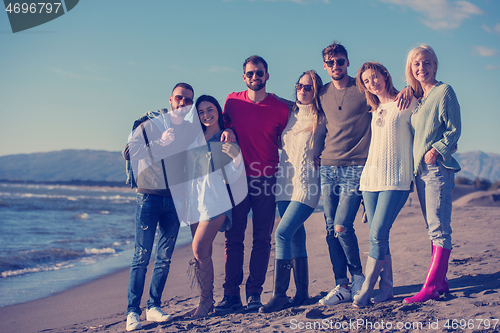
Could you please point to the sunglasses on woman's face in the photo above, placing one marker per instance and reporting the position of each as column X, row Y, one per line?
column 249, row 74
column 340, row 62
column 306, row 87
column 187, row 100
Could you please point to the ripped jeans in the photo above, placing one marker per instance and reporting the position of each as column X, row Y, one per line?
column 341, row 199
column 152, row 211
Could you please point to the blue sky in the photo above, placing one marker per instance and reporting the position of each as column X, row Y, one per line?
column 80, row 80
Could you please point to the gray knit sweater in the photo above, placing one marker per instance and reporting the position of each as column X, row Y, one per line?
column 436, row 123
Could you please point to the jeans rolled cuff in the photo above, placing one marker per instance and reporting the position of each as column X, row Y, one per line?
column 344, row 281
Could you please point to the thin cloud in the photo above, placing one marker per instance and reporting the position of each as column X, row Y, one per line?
column 486, row 51
column 218, row 69
column 440, row 14
column 493, row 67
column 494, row 29
column 77, row 76
column 177, row 67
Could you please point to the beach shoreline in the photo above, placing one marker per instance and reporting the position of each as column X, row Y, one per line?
column 474, row 277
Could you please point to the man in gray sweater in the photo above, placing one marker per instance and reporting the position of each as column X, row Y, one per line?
column 346, row 149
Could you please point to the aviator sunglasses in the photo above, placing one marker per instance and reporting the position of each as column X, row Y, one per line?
column 187, row 100
column 249, row 74
column 340, row 62
column 306, row 87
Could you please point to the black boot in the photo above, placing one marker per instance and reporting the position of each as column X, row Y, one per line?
column 301, row 277
column 279, row 301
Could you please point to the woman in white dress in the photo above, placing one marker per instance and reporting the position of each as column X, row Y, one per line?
column 212, row 167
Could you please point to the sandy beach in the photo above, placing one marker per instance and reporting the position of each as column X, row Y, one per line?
column 473, row 302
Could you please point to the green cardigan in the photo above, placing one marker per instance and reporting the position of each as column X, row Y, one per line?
column 436, row 123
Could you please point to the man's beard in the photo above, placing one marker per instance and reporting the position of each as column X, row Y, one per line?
column 338, row 77
column 256, row 87
column 183, row 110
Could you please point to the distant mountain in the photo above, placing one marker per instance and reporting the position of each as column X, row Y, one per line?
column 64, row 165
column 109, row 166
column 479, row 164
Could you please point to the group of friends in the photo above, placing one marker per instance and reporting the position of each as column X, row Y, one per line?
column 352, row 140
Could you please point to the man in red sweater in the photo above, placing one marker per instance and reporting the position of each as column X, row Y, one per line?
column 258, row 118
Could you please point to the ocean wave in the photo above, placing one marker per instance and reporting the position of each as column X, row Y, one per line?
column 82, row 216
column 49, row 259
column 36, row 258
column 113, row 198
column 107, row 250
column 13, row 273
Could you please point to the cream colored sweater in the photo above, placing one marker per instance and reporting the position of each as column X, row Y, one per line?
column 298, row 177
column 390, row 158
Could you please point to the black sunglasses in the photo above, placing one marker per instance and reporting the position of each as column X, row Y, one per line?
column 306, row 87
column 187, row 100
column 249, row 74
column 340, row 62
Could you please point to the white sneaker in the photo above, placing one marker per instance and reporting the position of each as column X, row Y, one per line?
column 357, row 284
column 155, row 314
column 133, row 322
column 336, row 296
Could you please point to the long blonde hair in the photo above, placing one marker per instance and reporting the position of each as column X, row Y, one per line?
column 317, row 111
column 410, row 79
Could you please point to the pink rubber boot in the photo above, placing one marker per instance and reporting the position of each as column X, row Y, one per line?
column 444, row 286
column 435, row 277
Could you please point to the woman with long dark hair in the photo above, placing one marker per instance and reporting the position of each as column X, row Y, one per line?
column 213, row 166
column 297, row 190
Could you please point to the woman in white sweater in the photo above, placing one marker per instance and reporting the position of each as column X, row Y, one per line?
column 297, row 190
column 387, row 176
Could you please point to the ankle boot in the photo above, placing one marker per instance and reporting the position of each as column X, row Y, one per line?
column 204, row 277
column 301, row 277
column 385, row 284
column 372, row 272
column 444, row 286
column 279, row 301
column 435, row 277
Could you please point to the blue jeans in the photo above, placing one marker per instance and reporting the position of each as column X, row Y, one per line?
column 434, row 188
column 290, row 235
column 382, row 208
column 341, row 199
column 152, row 210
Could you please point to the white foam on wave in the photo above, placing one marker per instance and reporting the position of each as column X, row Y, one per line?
column 83, row 216
column 23, row 271
column 106, row 250
column 114, row 198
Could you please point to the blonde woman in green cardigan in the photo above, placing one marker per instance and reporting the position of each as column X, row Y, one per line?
column 436, row 125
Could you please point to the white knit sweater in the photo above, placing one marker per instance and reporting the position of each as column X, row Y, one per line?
column 390, row 159
column 297, row 177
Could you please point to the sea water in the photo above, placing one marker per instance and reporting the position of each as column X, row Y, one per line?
column 54, row 237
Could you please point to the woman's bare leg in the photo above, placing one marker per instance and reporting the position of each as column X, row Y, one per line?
column 204, row 235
